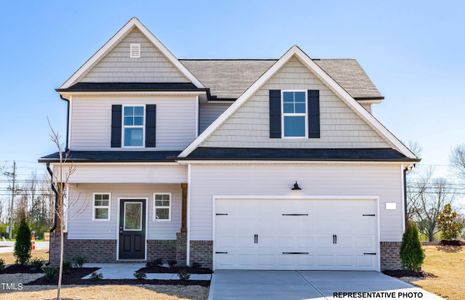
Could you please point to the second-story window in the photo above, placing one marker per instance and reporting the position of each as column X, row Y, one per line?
column 294, row 114
column 133, row 123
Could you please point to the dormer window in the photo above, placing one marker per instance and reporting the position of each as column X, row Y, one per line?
column 134, row 50
column 294, row 108
column 133, row 126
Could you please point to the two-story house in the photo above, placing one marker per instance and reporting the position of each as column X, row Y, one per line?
column 231, row 163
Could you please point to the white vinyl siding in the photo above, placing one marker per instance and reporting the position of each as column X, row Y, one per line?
column 349, row 179
column 127, row 173
column 118, row 66
column 209, row 112
column 91, row 121
column 81, row 226
column 340, row 126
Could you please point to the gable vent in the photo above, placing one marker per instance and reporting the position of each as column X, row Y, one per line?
column 134, row 50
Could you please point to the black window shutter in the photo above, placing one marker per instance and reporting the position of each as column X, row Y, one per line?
column 313, row 114
column 275, row 114
column 150, row 125
column 116, row 113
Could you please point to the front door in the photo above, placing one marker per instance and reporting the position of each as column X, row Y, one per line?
column 132, row 229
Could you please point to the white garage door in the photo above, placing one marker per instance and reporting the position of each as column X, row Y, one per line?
column 284, row 234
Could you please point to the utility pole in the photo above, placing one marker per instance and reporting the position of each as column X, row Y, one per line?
column 12, row 187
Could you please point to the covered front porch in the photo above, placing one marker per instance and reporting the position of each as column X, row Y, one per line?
column 125, row 213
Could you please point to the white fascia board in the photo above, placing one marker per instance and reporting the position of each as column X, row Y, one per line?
column 325, row 78
column 132, row 23
column 151, row 93
column 280, row 162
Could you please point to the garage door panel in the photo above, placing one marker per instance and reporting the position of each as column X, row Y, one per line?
column 296, row 234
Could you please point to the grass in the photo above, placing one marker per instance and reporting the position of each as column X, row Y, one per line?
column 10, row 258
column 114, row 292
column 448, row 265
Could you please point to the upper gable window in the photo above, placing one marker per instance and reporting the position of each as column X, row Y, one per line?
column 133, row 124
column 294, row 107
column 134, row 50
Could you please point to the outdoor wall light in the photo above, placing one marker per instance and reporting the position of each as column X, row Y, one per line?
column 296, row 187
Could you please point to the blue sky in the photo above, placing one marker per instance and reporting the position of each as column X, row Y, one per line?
column 412, row 50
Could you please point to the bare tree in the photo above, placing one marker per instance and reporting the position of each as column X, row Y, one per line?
column 457, row 159
column 433, row 195
column 418, row 181
column 63, row 170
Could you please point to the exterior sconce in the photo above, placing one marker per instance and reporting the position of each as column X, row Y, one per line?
column 296, row 187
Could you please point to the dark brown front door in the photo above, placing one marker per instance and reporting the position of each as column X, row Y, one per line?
column 132, row 229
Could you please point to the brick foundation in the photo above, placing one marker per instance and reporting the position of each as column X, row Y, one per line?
column 181, row 247
column 202, row 252
column 165, row 249
column 390, row 256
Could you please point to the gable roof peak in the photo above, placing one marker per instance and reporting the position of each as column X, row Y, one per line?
column 115, row 39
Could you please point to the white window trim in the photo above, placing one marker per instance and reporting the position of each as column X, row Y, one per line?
column 141, row 217
column 155, row 208
column 294, row 115
column 134, row 45
column 94, row 207
column 133, row 126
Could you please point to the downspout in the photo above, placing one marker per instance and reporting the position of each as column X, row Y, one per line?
column 405, row 196
column 49, row 170
column 67, row 122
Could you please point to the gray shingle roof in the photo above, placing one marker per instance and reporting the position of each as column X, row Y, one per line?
column 229, row 78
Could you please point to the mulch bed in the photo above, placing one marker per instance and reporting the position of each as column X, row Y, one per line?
column 190, row 270
column 75, row 275
column 404, row 273
column 451, row 243
column 12, row 269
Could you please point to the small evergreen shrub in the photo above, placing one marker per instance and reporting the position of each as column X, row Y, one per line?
column 67, row 266
column 95, row 276
column 140, row 275
column 154, row 263
column 196, row 265
column 78, row 261
column 23, row 243
column 449, row 224
column 183, row 275
column 50, row 272
column 2, row 264
column 172, row 263
column 411, row 253
column 36, row 264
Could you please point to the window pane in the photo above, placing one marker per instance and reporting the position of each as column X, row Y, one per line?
column 300, row 108
column 138, row 121
column 133, row 136
column 288, row 107
column 105, row 196
column 288, row 97
column 132, row 216
column 299, row 97
column 138, row 111
column 98, row 197
column 101, row 213
column 294, row 126
column 162, row 213
column 128, row 111
column 128, row 121
column 162, row 203
column 101, row 202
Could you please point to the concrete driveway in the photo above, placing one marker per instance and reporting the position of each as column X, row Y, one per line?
column 235, row 284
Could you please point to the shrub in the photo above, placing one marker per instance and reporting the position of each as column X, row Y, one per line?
column 23, row 243
column 448, row 223
column 172, row 263
column 50, row 272
column 96, row 276
column 196, row 265
column 67, row 266
column 78, row 261
column 37, row 263
column 140, row 275
column 183, row 275
column 155, row 263
column 411, row 253
column 2, row 264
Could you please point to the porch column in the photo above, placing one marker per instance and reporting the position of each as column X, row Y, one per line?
column 184, row 208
